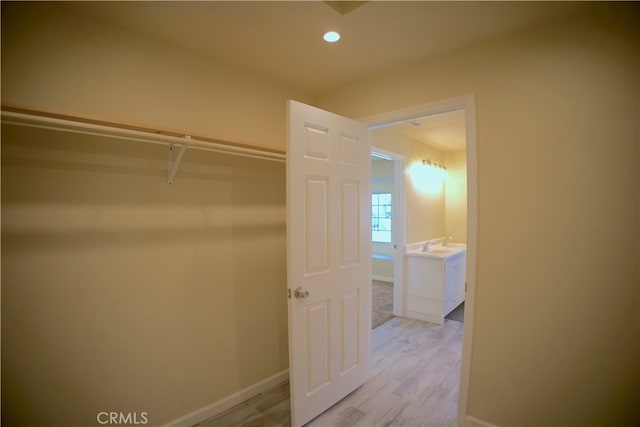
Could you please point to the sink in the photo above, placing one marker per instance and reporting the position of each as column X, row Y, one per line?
column 439, row 251
column 442, row 250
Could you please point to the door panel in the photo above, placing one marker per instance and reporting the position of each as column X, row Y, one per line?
column 328, row 258
column 316, row 194
column 318, row 346
column 349, row 223
column 350, row 312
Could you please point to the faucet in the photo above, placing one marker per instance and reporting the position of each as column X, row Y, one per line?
column 442, row 240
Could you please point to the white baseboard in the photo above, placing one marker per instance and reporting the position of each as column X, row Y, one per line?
column 476, row 422
column 382, row 278
column 230, row 401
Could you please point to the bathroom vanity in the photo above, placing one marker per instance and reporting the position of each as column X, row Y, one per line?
column 435, row 280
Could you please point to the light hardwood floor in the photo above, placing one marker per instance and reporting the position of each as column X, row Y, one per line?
column 415, row 371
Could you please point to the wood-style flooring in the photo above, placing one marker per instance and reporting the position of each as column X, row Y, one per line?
column 415, row 371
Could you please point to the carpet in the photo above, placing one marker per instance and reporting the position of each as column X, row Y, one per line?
column 457, row 314
column 382, row 307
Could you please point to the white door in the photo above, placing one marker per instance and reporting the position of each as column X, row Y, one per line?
column 328, row 258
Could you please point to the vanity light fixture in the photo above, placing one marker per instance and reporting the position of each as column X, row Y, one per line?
column 441, row 168
column 331, row 36
column 428, row 176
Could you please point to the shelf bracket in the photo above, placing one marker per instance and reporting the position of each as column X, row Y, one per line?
column 175, row 164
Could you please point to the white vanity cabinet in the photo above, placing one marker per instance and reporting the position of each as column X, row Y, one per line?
column 435, row 282
column 454, row 282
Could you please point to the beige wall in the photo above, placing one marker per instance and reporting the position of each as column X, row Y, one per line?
column 556, row 309
column 98, row 320
column 122, row 293
column 65, row 63
column 425, row 210
column 431, row 212
column 456, row 196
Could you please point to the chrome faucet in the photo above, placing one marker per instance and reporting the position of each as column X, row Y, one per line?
column 444, row 241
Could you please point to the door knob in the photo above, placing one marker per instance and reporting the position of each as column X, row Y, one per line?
column 301, row 293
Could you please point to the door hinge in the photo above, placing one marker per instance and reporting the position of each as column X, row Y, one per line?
column 465, row 287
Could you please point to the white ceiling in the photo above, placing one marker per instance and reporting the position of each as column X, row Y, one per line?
column 446, row 131
column 283, row 40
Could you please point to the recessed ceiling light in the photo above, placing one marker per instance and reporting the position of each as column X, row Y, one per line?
column 331, row 37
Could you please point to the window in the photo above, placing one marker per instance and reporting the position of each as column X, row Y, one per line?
column 381, row 217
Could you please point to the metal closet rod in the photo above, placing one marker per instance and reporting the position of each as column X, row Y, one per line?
column 112, row 130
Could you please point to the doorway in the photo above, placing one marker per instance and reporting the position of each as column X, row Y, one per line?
column 353, row 188
column 465, row 104
column 435, row 196
column 388, row 183
column 387, row 234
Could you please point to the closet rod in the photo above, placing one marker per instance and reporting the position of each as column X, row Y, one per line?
column 150, row 136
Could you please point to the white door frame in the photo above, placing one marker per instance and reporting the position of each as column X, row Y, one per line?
column 398, row 226
column 466, row 103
